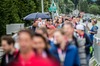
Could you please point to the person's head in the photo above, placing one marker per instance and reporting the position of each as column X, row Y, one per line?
column 60, row 21
column 51, row 22
column 51, row 29
column 74, row 20
column 59, row 36
column 60, row 17
column 40, row 43
column 56, row 23
column 68, row 28
column 80, row 29
column 7, row 43
column 25, row 40
column 39, row 19
column 42, row 31
column 94, row 22
column 48, row 21
column 56, row 18
column 78, row 19
column 66, row 21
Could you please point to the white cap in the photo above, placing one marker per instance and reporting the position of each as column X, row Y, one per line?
column 80, row 27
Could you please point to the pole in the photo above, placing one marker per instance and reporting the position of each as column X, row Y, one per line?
column 52, row 15
column 42, row 4
column 52, row 11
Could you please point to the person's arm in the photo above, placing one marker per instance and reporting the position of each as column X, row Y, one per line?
column 35, row 24
column 91, row 32
column 87, row 27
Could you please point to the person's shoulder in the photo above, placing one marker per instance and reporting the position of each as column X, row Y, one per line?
column 96, row 27
column 4, row 55
column 72, row 47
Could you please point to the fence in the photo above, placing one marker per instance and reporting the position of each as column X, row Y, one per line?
column 97, row 50
column 95, row 60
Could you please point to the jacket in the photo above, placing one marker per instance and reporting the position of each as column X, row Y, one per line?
column 71, row 58
column 87, row 44
column 7, row 58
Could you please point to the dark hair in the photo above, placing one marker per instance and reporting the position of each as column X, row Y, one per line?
column 48, row 20
column 73, row 17
column 45, row 41
column 44, row 30
column 78, row 16
column 28, row 31
column 57, row 21
column 70, row 24
column 66, row 19
column 9, row 39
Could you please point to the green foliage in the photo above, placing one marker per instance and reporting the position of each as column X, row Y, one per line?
column 12, row 11
column 98, row 2
column 70, row 5
column 89, row 1
column 75, row 3
column 46, row 5
column 84, row 6
column 94, row 9
column 65, row 6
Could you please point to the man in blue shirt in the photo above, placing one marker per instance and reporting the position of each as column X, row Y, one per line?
column 93, row 30
column 65, row 51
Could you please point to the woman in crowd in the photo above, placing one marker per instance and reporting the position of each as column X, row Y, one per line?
column 41, row 45
column 42, row 51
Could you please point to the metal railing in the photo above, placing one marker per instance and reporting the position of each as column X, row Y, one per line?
column 97, row 50
column 95, row 60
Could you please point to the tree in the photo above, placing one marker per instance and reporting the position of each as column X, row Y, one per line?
column 70, row 5
column 98, row 2
column 94, row 9
column 83, row 5
column 12, row 11
column 89, row 1
column 38, row 5
column 75, row 3
column 46, row 5
column 65, row 6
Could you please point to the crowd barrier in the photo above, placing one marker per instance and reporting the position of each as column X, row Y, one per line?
column 95, row 60
column 97, row 49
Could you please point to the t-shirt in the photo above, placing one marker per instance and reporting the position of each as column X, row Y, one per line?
column 94, row 29
column 34, row 60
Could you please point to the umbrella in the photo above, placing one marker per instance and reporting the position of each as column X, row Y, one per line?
column 33, row 16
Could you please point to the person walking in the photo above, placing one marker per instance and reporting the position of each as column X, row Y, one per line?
column 66, row 53
column 94, row 29
column 88, row 43
column 7, row 43
column 69, row 33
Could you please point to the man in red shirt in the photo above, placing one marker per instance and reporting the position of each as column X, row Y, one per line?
column 26, row 55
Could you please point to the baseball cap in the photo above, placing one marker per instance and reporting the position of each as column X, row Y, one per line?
column 80, row 27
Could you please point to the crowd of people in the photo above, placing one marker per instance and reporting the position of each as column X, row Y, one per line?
column 59, row 42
